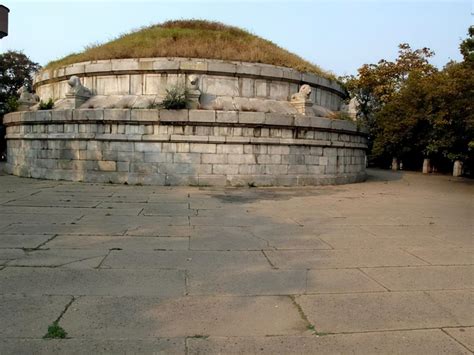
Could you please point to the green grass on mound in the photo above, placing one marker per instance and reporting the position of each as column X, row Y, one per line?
column 193, row 39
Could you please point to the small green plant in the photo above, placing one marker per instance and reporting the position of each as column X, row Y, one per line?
column 12, row 104
column 48, row 105
column 55, row 331
column 175, row 98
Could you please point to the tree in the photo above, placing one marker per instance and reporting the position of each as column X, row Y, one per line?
column 430, row 116
column 378, row 84
column 16, row 69
column 467, row 46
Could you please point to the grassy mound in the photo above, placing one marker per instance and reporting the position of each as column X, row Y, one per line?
column 193, row 39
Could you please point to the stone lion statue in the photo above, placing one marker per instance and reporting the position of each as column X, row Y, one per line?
column 27, row 97
column 193, row 82
column 76, row 87
column 303, row 93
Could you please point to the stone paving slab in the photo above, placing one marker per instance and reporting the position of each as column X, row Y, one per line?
column 87, row 346
column 246, row 282
column 338, row 313
column 340, row 281
column 385, row 265
column 72, row 229
column 29, row 316
column 341, row 258
column 225, row 238
column 187, row 260
column 23, row 241
column 445, row 256
column 424, row 277
column 42, row 281
column 400, row 342
column 465, row 335
column 55, row 258
column 141, row 318
column 100, row 242
column 376, row 242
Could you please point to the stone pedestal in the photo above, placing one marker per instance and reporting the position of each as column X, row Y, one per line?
column 193, row 99
column 75, row 101
column 25, row 106
column 457, row 168
column 426, row 166
column 394, row 164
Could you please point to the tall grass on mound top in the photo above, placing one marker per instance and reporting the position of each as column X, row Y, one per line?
column 193, row 39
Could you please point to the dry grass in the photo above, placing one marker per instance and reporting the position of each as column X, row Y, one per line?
column 193, row 39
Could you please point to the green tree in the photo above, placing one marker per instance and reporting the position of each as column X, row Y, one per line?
column 16, row 69
column 377, row 84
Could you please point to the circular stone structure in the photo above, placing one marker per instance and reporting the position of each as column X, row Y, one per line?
column 246, row 124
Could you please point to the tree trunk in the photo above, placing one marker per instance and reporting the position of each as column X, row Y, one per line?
column 457, row 168
column 395, row 164
column 426, row 166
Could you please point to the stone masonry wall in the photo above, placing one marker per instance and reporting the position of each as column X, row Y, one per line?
column 152, row 76
column 186, row 147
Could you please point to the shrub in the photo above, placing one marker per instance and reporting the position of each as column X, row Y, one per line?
column 48, row 105
column 175, row 98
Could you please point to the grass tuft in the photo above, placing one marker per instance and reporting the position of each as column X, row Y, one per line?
column 55, row 331
column 193, row 39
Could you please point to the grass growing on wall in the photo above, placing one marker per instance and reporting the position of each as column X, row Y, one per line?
column 193, row 39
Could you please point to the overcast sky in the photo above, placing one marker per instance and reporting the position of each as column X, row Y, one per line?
column 338, row 35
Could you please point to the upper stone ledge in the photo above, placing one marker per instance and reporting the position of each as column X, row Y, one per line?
column 184, row 65
column 180, row 117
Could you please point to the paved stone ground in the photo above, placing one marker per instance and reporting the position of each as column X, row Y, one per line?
column 384, row 266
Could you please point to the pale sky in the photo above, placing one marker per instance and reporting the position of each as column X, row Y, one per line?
column 338, row 35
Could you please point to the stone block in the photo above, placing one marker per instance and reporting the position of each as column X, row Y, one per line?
column 227, row 116
column 212, row 180
column 193, row 65
column 344, row 125
column 247, row 87
column 278, row 119
column 230, row 149
column 61, row 115
column 221, row 67
column 248, row 69
column 241, row 159
column 88, row 115
column 174, row 116
column 144, row 115
column 272, row 72
column 311, row 78
column 214, row 158
column 99, row 67
column 165, row 64
column 193, row 158
column 279, row 90
column 202, row 116
column 202, row 148
column 225, row 169
column 251, row 117
column 220, row 86
column 117, row 115
column 261, row 88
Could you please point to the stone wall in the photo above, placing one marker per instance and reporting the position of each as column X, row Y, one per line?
column 185, row 147
column 150, row 77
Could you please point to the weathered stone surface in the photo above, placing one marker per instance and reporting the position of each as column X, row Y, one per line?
column 401, row 310
column 400, row 342
column 29, row 316
column 96, row 346
column 42, row 281
column 141, row 318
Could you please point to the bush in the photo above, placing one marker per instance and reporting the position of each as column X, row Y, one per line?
column 48, row 105
column 175, row 98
